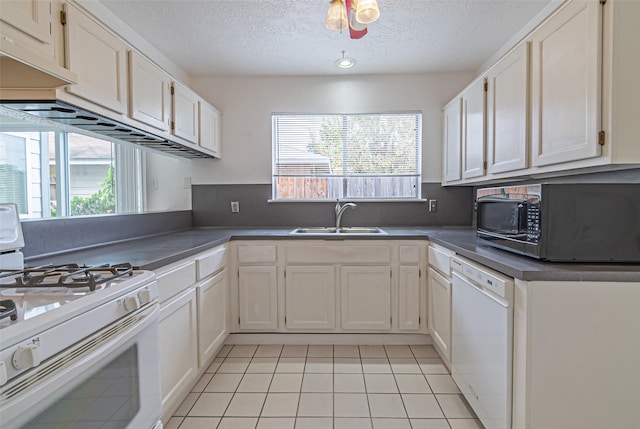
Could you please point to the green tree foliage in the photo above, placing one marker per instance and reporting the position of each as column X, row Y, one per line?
column 367, row 144
column 101, row 202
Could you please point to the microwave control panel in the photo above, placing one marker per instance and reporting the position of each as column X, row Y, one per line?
column 533, row 222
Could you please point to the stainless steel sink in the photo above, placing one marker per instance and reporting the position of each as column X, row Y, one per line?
column 330, row 230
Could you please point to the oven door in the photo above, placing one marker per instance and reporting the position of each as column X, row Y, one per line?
column 109, row 380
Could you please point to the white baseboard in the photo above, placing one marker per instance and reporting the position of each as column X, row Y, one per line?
column 341, row 339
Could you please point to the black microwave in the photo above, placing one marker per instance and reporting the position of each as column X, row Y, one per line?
column 562, row 222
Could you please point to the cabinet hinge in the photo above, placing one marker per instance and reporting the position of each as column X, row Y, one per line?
column 484, row 165
column 603, row 1
column 419, row 273
column 285, row 319
column 419, row 320
column 173, row 125
column 601, row 138
column 172, row 90
column 238, row 320
column 63, row 17
column 486, row 86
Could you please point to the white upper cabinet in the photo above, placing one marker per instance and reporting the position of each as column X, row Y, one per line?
column 100, row 60
column 473, row 126
column 565, row 87
column 149, row 92
column 452, row 141
column 185, row 113
column 30, row 56
column 210, row 136
column 507, row 109
column 31, row 23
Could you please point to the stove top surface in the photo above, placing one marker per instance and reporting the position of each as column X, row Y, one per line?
column 26, row 294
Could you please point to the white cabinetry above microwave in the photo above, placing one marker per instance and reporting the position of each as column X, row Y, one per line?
column 563, row 99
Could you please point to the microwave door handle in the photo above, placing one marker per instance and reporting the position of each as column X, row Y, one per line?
column 496, row 199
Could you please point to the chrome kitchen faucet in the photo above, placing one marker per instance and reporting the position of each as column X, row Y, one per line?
column 340, row 210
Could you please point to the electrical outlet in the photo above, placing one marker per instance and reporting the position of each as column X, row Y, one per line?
column 433, row 206
column 154, row 183
column 235, row 206
column 187, row 183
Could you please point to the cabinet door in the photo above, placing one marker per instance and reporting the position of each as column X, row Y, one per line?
column 185, row 113
column 212, row 316
column 451, row 152
column 28, row 24
column 257, row 287
column 565, row 87
column 507, row 107
column 310, row 295
column 439, row 312
column 473, row 119
column 100, row 60
column 366, row 297
column 149, row 92
column 178, row 346
column 210, row 132
column 409, row 298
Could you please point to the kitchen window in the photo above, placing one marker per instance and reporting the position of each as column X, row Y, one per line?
column 347, row 156
column 54, row 173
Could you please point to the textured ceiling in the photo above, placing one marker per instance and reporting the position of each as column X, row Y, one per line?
column 288, row 37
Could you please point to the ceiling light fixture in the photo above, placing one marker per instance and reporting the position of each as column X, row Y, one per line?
column 345, row 63
column 337, row 16
column 357, row 14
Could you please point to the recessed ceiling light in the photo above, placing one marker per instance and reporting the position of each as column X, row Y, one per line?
column 345, row 63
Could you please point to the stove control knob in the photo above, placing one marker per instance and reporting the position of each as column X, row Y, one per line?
column 26, row 357
column 144, row 296
column 131, row 303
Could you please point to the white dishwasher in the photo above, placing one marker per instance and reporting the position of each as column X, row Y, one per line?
column 482, row 340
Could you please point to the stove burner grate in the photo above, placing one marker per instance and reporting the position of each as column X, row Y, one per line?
column 8, row 309
column 68, row 275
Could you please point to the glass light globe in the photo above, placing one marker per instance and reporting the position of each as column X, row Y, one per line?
column 337, row 16
column 367, row 11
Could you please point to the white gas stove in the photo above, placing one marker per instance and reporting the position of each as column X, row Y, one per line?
column 72, row 331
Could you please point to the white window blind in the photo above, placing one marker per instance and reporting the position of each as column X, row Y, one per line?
column 359, row 156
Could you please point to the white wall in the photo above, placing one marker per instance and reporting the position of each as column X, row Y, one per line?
column 168, row 173
column 248, row 102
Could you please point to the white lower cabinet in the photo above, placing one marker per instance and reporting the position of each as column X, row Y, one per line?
column 409, row 298
column 310, row 296
column 439, row 313
column 212, row 316
column 258, row 297
column 365, row 297
column 178, row 347
column 320, row 286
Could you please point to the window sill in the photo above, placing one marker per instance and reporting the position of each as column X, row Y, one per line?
column 353, row 200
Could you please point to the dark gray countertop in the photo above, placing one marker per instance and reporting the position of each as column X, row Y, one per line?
column 155, row 251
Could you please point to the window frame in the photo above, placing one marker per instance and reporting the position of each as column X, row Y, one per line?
column 419, row 162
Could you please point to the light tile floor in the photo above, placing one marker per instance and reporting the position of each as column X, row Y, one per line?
column 325, row 387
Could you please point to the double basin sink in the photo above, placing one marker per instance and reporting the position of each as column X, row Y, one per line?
column 329, row 230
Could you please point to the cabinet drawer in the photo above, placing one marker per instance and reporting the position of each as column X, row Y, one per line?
column 256, row 254
column 409, row 254
column 176, row 279
column 440, row 259
column 339, row 254
column 211, row 262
